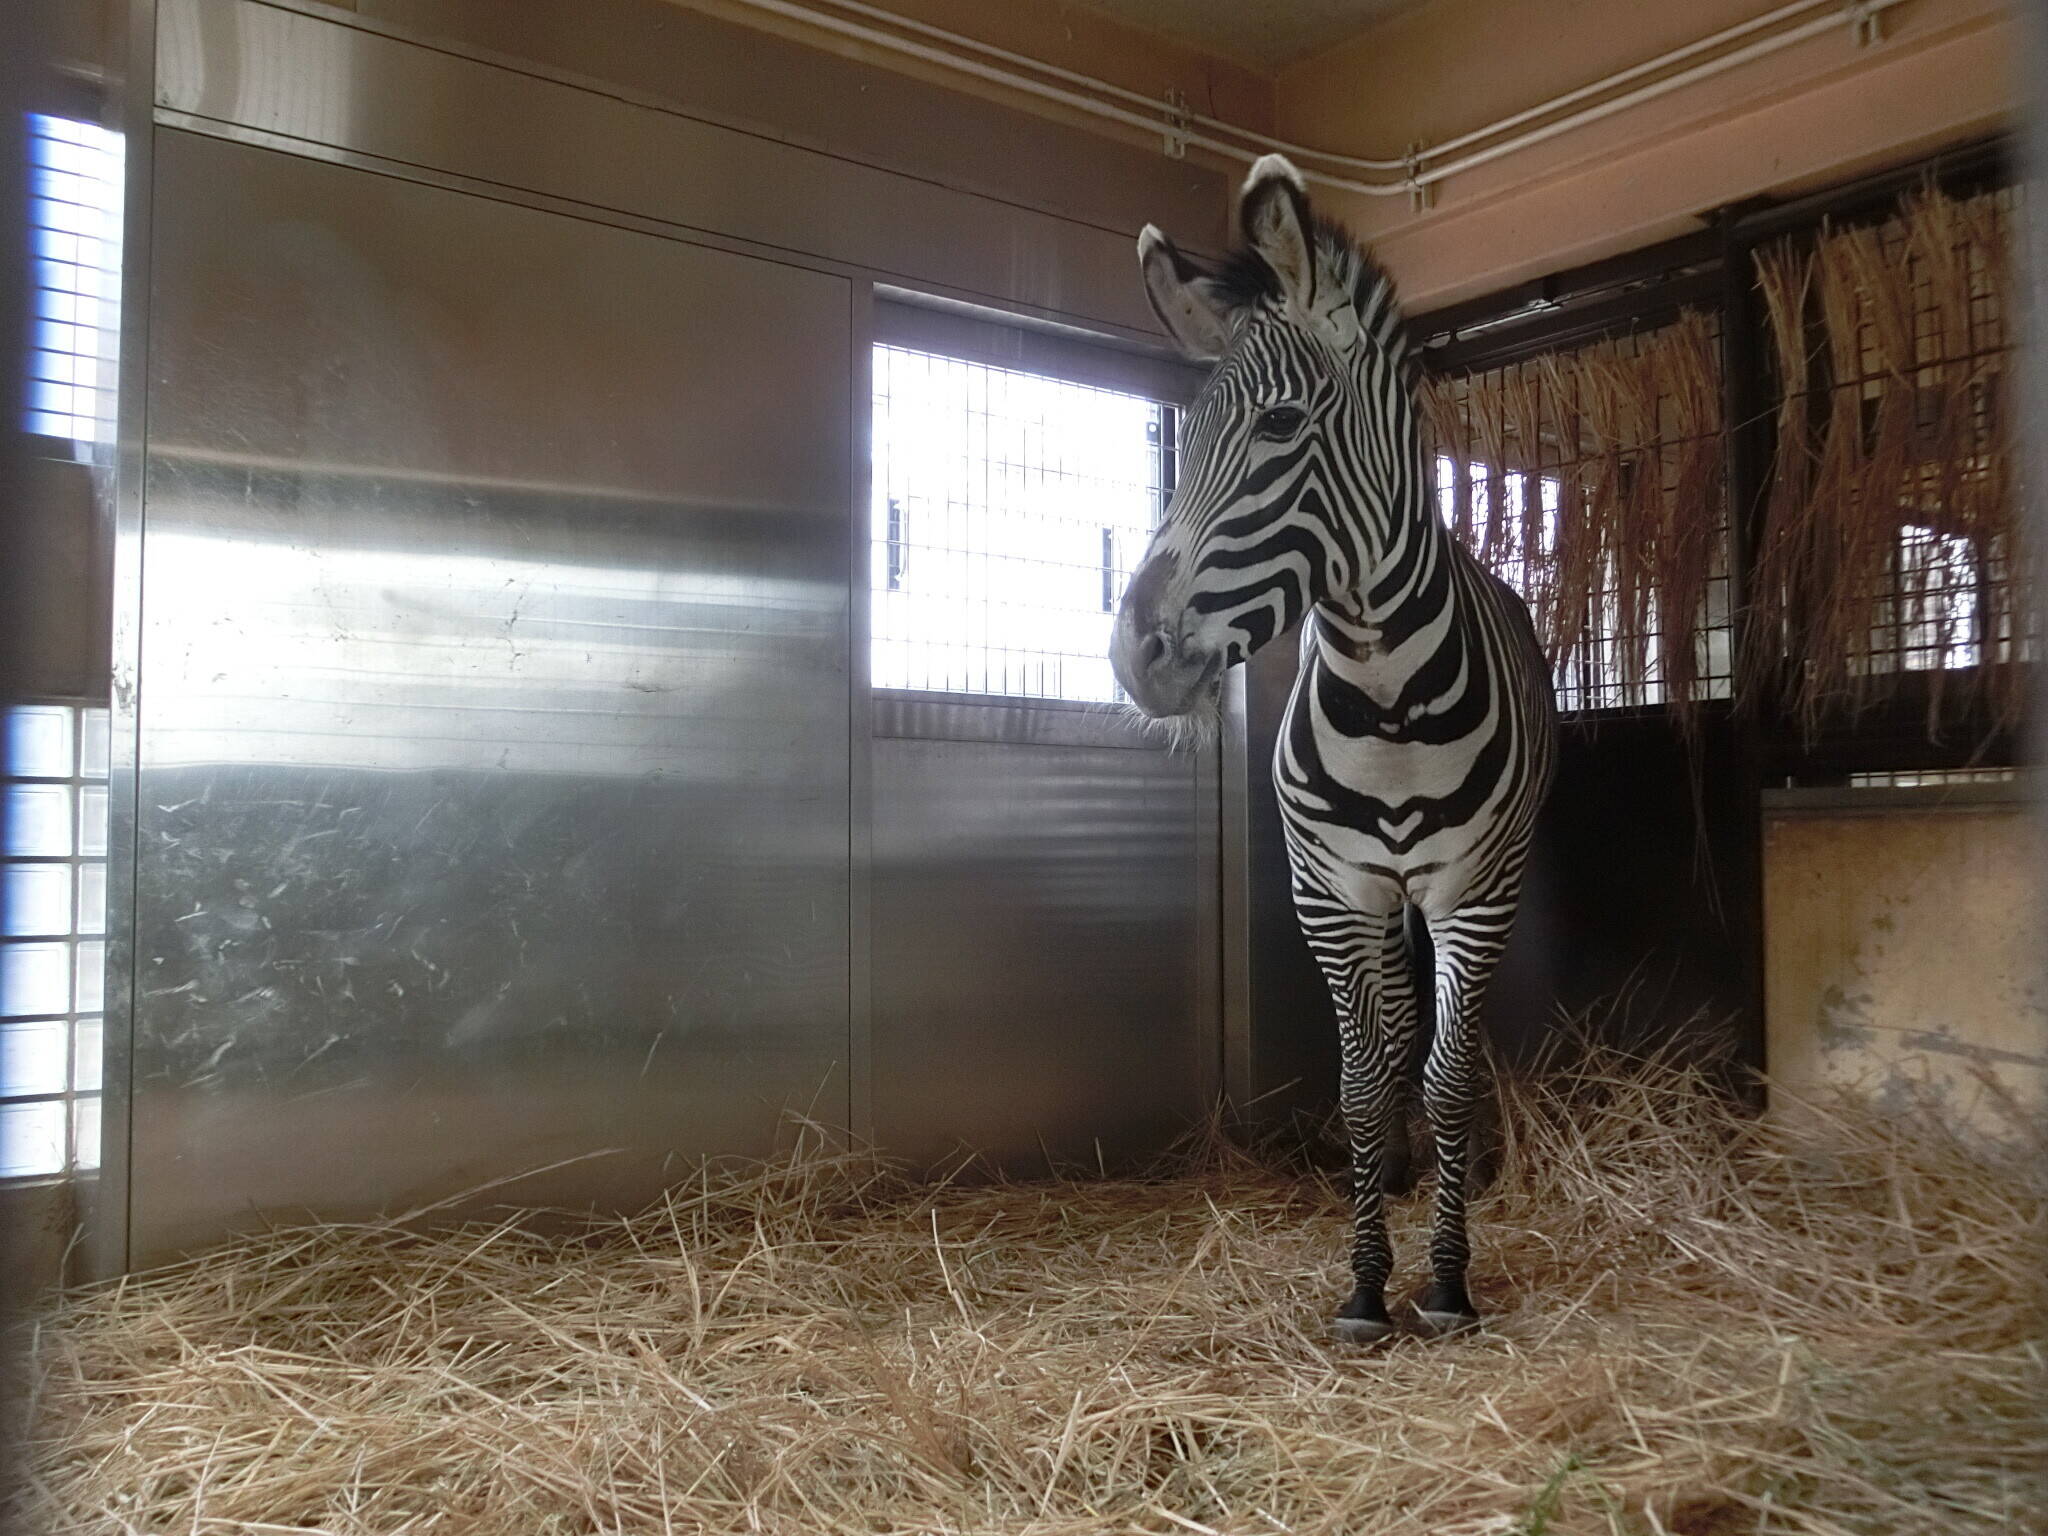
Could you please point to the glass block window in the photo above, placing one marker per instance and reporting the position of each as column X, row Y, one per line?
column 1008, row 509
column 53, row 898
column 75, row 230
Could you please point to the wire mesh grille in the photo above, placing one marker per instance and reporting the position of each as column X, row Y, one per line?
column 1891, row 540
column 1945, row 598
column 1008, row 509
column 1592, row 482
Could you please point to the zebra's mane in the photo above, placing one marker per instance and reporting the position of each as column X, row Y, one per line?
column 1243, row 278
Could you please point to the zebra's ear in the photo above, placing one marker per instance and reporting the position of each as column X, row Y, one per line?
column 1187, row 304
column 1273, row 212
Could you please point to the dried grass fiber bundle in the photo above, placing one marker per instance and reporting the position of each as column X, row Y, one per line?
column 1630, row 433
column 1447, row 434
column 1785, row 278
column 1707, row 1326
column 1893, row 364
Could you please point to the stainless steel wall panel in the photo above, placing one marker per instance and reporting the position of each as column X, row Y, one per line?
column 1038, row 980
column 494, row 699
column 1030, row 723
column 131, row 73
column 744, row 77
column 860, row 1095
column 320, row 81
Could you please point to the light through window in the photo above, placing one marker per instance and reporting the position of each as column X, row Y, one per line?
column 1521, row 542
column 1929, row 619
column 75, row 227
column 1932, row 778
column 1517, row 539
column 1007, row 511
column 53, row 897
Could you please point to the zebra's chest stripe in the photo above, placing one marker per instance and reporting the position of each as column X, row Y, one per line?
column 1399, row 832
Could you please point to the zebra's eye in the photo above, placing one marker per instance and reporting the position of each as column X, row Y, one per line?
column 1279, row 423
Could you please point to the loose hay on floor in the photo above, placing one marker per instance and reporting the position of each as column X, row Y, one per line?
column 1696, row 1325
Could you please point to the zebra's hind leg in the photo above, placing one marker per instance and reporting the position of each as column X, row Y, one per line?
column 1468, row 946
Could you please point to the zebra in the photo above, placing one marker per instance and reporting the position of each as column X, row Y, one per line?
column 1421, row 736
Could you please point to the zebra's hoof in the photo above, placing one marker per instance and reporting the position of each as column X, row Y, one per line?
column 1443, row 1310
column 1441, row 1325
column 1363, row 1319
column 1361, row 1330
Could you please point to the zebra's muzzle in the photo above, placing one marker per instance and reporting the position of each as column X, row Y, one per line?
column 1163, row 676
column 1163, row 680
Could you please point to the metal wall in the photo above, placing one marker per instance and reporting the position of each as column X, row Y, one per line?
column 324, row 82
column 503, row 785
column 1045, row 959
column 494, row 708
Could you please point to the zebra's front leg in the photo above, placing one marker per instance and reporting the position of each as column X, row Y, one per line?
column 1349, row 945
column 1468, row 946
column 1368, row 1089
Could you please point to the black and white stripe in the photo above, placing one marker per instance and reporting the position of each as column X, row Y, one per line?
column 1421, row 735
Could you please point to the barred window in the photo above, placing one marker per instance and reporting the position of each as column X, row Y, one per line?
column 1007, row 511
column 1591, row 480
column 1891, row 541
column 1947, row 594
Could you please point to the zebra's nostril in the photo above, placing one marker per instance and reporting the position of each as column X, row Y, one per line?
column 1151, row 651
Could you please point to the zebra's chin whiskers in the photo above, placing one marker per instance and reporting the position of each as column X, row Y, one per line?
column 1201, row 725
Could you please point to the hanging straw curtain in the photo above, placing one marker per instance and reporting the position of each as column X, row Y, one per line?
column 1592, row 481
column 1891, row 536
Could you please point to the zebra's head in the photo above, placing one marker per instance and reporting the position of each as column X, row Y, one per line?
column 1291, row 454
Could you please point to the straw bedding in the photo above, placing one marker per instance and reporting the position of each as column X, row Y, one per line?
column 1696, row 1325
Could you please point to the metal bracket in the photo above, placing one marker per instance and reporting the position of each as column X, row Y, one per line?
column 1866, row 22
column 1421, row 194
column 1176, row 140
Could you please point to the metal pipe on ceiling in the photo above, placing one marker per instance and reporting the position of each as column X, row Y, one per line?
column 1151, row 104
column 1634, row 72
column 1417, row 172
column 1722, row 38
column 1662, row 86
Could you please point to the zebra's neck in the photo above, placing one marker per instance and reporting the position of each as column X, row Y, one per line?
column 1405, row 555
